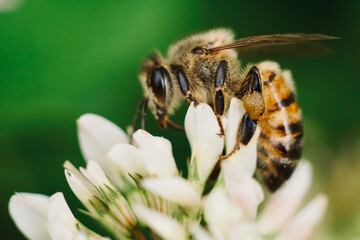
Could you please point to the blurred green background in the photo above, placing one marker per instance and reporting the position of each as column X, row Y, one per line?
column 60, row 59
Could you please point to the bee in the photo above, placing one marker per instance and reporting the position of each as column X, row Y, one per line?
column 204, row 68
column 271, row 99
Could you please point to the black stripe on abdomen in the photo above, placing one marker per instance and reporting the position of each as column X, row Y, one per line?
column 286, row 101
column 291, row 128
column 261, row 149
column 264, row 136
column 294, row 151
column 271, row 78
column 284, row 168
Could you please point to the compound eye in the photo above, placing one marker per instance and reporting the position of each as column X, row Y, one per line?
column 158, row 81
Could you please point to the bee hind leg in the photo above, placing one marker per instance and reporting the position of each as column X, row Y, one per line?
column 250, row 94
column 244, row 134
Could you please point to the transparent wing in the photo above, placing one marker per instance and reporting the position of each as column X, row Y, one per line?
column 285, row 38
column 277, row 51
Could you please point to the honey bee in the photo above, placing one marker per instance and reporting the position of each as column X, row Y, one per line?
column 204, row 68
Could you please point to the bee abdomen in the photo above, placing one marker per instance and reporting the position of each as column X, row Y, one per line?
column 290, row 149
column 277, row 158
column 280, row 142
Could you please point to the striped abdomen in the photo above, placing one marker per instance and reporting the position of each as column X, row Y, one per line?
column 280, row 143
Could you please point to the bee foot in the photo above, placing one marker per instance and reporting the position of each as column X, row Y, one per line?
column 222, row 132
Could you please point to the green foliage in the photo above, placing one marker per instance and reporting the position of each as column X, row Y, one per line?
column 59, row 60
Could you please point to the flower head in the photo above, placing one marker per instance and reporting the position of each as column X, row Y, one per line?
column 135, row 191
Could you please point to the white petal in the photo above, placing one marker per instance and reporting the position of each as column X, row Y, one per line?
column 221, row 213
column 163, row 225
column 80, row 188
column 200, row 233
column 156, row 154
column 285, row 202
column 243, row 190
column 202, row 130
column 96, row 136
column 81, row 236
column 62, row 223
column 234, row 115
column 151, row 156
column 174, row 189
column 157, row 164
column 29, row 212
column 143, row 139
column 245, row 158
column 71, row 170
column 303, row 223
column 128, row 158
column 245, row 231
column 95, row 174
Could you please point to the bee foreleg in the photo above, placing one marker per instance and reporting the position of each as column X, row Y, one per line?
column 144, row 108
column 141, row 110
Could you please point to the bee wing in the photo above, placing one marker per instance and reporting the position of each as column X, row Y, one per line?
column 298, row 50
column 284, row 38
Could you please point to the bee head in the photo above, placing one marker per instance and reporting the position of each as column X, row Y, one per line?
column 158, row 87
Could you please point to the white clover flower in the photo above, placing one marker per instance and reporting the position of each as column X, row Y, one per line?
column 279, row 216
column 96, row 136
column 148, row 156
column 203, row 132
column 41, row 217
column 135, row 191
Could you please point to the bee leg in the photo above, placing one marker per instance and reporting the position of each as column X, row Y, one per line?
column 192, row 99
column 174, row 125
column 164, row 122
column 244, row 134
column 250, row 94
column 219, row 107
column 144, row 108
column 184, row 85
column 141, row 110
column 220, row 76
